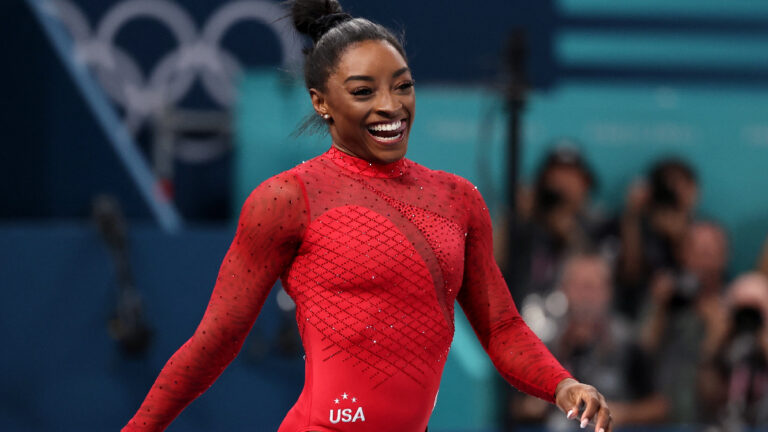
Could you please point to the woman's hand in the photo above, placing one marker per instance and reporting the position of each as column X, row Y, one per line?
column 570, row 395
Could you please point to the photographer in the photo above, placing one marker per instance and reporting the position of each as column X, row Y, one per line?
column 598, row 345
column 652, row 227
column 736, row 376
column 556, row 220
column 685, row 320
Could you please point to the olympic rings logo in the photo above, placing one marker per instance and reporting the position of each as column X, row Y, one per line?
column 197, row 55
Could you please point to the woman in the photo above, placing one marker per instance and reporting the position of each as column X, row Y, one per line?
column 374, row 249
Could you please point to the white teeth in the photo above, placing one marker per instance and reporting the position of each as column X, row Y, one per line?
column 386, row 126
column 390, row 139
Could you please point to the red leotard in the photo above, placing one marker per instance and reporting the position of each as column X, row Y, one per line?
column 374, row 257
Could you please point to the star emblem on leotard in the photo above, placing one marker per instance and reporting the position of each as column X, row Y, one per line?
column 346, row 396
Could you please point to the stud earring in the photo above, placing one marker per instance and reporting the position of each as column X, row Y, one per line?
column 326, row 116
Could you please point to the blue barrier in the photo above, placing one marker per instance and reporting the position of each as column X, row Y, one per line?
column 60, row 369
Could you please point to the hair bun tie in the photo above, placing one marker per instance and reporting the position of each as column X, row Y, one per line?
column 326, row 22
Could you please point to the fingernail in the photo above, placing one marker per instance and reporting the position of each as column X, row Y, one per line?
column 601, row 430
column 569, row 415
column 584, row 423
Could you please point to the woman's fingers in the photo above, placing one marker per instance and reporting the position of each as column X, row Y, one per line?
column 572, row 396
column 604, row 422
column 576, row 404
column 572, row 413
column 597, row 412
column 592, row 404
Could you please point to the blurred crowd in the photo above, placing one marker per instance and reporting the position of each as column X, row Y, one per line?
column 641, row 303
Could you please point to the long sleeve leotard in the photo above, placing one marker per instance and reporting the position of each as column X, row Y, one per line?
column 374, row 257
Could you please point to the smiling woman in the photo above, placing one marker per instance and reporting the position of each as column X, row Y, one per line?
column 370, row 102
column 375, row 250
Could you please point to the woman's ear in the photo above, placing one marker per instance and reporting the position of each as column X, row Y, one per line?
column 319, row 102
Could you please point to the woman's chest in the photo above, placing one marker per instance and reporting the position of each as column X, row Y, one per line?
column 378, row 247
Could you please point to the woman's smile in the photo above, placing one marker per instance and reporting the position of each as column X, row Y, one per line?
column 388, row 133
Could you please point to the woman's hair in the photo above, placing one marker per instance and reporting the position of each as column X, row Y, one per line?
column 332, row 31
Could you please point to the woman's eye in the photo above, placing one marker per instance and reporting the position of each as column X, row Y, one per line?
column 406, row 85
column 363, row 91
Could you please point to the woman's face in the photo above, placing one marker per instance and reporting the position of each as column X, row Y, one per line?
column 371, row 102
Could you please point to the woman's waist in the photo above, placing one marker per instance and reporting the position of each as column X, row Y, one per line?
column 367, row 354
column 343, row 400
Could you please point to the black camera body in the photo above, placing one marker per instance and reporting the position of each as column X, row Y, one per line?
column 746, row 320
column 687, row 288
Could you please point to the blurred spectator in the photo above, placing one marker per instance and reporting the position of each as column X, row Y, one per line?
column 555, row 219
column 655, row 219
column 597, row 345
column 736, row 380
column 762, row 263
column 685, row 319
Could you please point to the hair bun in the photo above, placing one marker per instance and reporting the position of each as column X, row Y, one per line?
column 315, row 17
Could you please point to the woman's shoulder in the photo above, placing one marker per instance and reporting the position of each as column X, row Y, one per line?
column 451, row 190
column 286, row 185
column 445, row 178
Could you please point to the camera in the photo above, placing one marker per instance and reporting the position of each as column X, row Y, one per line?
column 686, row 289
column 663, row 195
column 746, row 320
column 549, row 198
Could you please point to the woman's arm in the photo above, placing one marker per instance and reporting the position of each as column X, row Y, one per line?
column 520, row 357
column 271, row 224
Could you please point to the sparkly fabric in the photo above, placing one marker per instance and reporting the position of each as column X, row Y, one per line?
column 374, row 257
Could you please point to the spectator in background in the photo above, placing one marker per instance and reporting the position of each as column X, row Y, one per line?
column 652, row 228
column 554, row 223
column 685, row 319
column 736, row 379
column 595, row 343
column 762, row 262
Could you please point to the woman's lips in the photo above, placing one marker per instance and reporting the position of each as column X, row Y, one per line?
column 388, row 133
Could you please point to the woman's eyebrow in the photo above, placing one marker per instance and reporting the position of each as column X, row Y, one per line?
column 400, row 72
column 359, row 78
column 370, row 78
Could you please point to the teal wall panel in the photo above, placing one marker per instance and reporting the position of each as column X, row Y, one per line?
column 657, row 48
column 686, row 8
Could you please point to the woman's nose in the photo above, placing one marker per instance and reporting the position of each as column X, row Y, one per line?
column 388, row 104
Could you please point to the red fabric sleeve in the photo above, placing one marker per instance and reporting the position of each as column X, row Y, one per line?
column 271, row 224
column 520, row 357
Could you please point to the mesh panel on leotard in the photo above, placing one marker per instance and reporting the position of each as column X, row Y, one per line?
column 383, row 332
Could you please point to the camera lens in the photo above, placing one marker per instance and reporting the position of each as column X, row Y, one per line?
column 747, row 320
